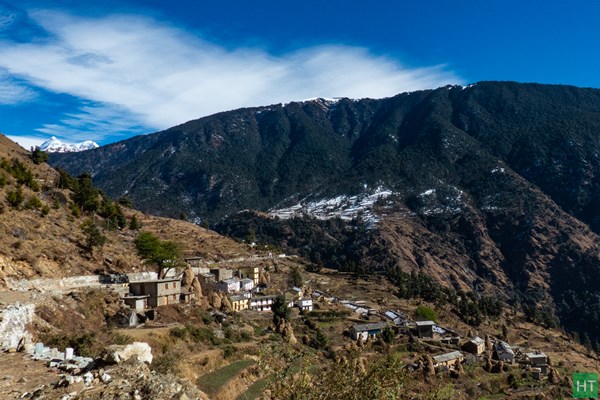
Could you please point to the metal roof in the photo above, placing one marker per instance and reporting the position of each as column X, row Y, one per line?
column 424, row 323
column 477, row 340
column 369, row 327
column 448, row 356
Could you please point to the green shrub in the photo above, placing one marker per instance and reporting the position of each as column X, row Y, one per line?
column 33, row 203
column 75, row 211
column 424, row 313
column 15, row 197
column 38, row 156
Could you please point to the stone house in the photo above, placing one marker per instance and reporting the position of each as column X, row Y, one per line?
column 425, row 329
column 221, row 274
column 160, row 292
column 537, row 359
column 475, row 346
column 363, row 331
column 504, row 352
column 448, row 360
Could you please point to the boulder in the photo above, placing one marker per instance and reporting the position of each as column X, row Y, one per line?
column 116, row 354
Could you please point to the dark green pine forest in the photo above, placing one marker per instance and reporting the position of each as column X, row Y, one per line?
column 496, row 190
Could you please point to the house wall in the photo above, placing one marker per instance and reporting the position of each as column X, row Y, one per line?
column 250, row 273
column 449, row 363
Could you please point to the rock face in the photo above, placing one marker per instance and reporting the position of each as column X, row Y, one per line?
column 13, row 325
column 117, row 354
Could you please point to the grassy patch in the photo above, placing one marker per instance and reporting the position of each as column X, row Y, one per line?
column 255, row 390
column 213, row 382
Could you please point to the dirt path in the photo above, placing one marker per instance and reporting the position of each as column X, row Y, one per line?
column 20, row 374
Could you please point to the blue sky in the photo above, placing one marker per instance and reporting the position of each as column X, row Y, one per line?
column 115, row 69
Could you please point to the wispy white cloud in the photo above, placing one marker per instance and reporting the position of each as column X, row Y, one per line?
column 94, row 122
column 13, row 92
column 141, row 72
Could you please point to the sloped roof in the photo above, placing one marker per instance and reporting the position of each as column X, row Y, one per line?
column 424, row 323
column 369, row 327
column 448, row 356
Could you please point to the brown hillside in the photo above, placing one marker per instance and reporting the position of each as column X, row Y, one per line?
column 34, row 245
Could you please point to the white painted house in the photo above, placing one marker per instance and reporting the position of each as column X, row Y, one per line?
column 228, row 285
column 305, row 304
column 246, row 284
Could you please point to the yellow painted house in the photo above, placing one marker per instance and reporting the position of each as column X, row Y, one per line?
column 250, row 273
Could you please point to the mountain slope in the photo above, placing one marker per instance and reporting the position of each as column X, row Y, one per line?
column 493, row 187
column 44, row 239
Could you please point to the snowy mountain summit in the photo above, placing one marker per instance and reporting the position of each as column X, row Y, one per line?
column 53, row 145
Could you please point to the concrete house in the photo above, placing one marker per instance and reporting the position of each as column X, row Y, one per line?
column 228, row 285
column 246, row 284
column 475, row 346
column 250, row 273
column 305, row 304
column 239, row 303
column 221, row 274
column 425, row 329
column 363, row 331
column 262, row 303
column 138, row 303
column 160, row 292
column 448, row 360
column 504, row 352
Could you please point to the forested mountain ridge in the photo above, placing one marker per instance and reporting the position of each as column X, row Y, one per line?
column 493, row 187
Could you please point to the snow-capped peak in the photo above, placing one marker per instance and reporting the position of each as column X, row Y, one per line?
column 54, row 145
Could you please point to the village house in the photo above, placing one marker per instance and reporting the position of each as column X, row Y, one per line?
column 186, row 296
column 537, row 359
column 448, row 360
column 250, row 273
column 228, row 285
column 221, row 274
column 138, row 303
column 246, row 284
column 363, row 331
column 504, row 352
column 239, row 303
column 160, row 292
column 396, row 317
column 305, row 304
column 262, row 303
column 425, row 329
column 475, row 346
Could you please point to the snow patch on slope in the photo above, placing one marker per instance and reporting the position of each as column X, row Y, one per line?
column 343, row 206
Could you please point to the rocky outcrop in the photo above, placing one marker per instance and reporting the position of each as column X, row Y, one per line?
column 13, row 325
column 116, row 354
